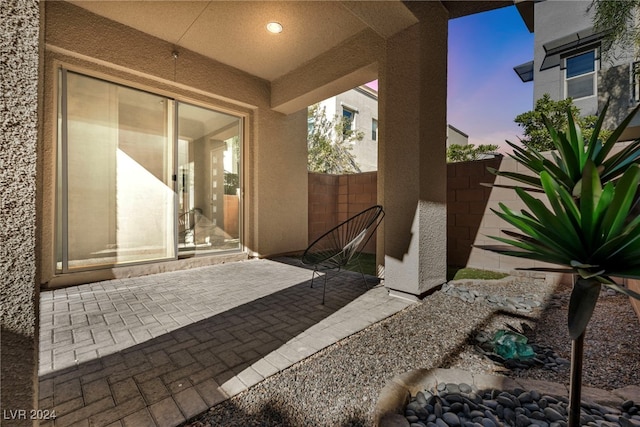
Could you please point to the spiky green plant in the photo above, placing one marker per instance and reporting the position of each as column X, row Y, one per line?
column 572, row 152
column 587, row 225
column 593, row 234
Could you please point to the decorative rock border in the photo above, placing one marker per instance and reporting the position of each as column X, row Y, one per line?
column 524, row 303
column 396, row 395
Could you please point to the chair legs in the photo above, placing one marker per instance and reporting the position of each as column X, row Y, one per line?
column 364, row 279
column 324, row 287
column 326, row 276
column 313, row 275
column 324, row 283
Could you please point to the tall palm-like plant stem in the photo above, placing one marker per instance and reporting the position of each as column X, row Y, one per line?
column 577, row 351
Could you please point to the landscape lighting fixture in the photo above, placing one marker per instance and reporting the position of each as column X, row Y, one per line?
column 274, row 27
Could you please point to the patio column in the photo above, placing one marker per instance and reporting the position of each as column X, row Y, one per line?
column 19, row 129
column 413, row 100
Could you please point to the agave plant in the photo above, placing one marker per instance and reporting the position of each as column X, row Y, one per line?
column 587, row 225
column 567, row 164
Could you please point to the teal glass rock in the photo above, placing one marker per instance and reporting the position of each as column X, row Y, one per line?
column 512, row 345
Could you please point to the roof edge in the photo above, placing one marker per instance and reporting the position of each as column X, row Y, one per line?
column 526, row 10
column 460, row 8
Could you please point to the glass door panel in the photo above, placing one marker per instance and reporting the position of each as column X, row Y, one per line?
column 208, row 180
column 117, row 193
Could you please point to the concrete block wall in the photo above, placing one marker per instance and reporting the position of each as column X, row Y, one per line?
column 470, row 221
column 335, row 198
column 470, row 217
column 467, row 206
column 323, row 203
column 356, row 192
column 634, row 285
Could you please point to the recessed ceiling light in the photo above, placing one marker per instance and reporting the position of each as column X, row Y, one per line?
column 274, row 27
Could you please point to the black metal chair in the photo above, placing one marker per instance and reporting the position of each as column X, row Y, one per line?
column 342, row 244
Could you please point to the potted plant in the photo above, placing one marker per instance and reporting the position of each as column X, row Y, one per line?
column 587, row 225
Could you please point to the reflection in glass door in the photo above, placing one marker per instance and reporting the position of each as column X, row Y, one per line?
column 208, row 180
column 126, row 159
column 115, row 195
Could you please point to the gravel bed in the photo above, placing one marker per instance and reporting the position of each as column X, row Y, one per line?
column 339, row 386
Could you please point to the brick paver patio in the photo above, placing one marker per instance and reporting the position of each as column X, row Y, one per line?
column 158, row 350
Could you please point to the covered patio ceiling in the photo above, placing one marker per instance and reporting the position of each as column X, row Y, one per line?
column 234, row 32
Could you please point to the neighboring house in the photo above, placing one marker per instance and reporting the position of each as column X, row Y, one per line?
column 569, row 63
column 360, row 107
column 456, row 136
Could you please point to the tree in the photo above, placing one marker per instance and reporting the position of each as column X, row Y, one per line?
column 467, row 152
column 536, row 135
column 588, row 225
column 617, row 19
column 329, row 143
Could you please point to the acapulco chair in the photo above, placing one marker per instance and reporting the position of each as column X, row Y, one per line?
column 342, row 244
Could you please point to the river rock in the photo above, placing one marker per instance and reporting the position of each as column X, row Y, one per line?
column 487, row 422
column 552, row 415
column 451, row 419
column 522, row 421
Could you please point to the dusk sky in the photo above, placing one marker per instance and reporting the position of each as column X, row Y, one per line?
column 484, row 93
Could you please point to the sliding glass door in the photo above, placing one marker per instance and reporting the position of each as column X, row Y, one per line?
column 208, row 180
column 118, row 201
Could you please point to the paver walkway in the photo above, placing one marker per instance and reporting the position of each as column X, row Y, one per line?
column 160, row 349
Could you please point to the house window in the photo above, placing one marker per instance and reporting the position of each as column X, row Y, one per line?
column 635, row 81
column 374, row 129
column 141, row 177
column 350, row 119
column 580, row 75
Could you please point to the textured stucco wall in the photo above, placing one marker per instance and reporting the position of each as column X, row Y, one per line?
column 328, row 74
column 615, row 87
column 279, row 187
column 19, row 50
column 412, row 181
